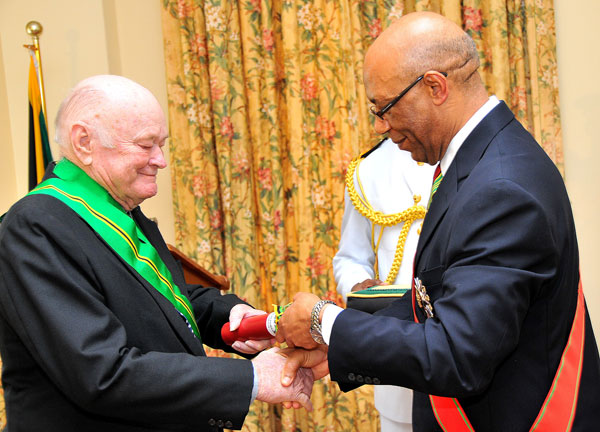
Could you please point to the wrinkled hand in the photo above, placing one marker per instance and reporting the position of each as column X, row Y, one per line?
column 237, row 313
column 294, row 324
column 298, row 358
column 269, row 366
column 367, row 283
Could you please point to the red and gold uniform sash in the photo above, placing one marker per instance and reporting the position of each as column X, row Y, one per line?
column 558, row 411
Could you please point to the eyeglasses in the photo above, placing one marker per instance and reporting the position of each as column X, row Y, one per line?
column 394, row 101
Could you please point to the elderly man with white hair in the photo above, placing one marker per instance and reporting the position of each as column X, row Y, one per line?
column 98, row 329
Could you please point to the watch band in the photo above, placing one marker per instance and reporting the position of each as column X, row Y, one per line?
column 315, row 323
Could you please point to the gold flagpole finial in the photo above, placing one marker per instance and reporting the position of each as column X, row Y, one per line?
column 34, row 29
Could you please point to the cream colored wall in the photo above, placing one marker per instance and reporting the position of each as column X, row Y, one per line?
column 87, row 37
column 8, row 178
column 80, row 38
column 578, row 66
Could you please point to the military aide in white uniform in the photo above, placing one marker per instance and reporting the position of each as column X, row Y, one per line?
column 386, row 179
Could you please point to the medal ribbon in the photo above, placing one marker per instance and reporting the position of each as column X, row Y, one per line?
column 109, row 220
column 558, row 411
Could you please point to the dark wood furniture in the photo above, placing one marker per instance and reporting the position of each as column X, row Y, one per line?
column 195, row 274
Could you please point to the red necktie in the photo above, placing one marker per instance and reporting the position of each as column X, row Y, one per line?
column 437, row 179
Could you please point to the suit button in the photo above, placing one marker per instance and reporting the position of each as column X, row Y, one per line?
column 351, row 377
column 359, row 378
column 376, row 381
column 212, row 422
column 220, row 423
column 368, row 380
column 228, row 424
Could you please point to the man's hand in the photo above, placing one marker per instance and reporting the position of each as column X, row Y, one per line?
column 239, row 312
column 294, row 324
column 298, row 358
column 367, row 283
column 269, row 366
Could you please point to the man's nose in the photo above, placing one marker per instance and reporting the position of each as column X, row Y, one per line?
column 157, row 158
column 381, row 126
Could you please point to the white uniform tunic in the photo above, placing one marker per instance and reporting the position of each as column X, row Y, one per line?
column 390, row 178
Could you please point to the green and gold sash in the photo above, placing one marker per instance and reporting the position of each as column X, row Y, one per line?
column 107, row 218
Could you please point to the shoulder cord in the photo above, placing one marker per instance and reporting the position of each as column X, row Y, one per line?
column 363, row 206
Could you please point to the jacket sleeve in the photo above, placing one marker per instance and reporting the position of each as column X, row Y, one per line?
column 501, row 253
column 211, row 309
column 50, row 295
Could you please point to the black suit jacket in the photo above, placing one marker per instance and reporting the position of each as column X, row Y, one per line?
column 498, row 256
column 88, row 345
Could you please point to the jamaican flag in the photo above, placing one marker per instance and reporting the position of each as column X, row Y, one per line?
column 39, row 147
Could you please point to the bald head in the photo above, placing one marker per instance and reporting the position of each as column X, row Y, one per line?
column 100, row 101
column 114, row 130
column 431, row 64
column 419, row 42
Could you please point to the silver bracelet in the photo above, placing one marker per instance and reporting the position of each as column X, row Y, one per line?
column 315, row 323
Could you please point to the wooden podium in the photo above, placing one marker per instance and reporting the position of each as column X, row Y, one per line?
column 195, row 274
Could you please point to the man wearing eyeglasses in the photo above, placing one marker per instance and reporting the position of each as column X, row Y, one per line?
column 495, row 335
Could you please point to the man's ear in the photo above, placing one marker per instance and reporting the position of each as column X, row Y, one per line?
column 82, row 143
column 437, row 85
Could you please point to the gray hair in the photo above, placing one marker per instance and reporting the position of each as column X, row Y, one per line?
column 444, row 54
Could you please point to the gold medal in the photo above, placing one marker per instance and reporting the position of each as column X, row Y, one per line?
column 422, row 298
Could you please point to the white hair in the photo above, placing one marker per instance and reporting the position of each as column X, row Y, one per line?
column 81, row 105
column 93, row 102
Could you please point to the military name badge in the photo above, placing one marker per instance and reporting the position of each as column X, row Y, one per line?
column 422, row 298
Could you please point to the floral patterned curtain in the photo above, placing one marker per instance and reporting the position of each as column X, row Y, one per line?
column 267, row 108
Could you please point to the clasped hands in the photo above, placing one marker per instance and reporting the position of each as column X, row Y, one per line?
column 286, row 375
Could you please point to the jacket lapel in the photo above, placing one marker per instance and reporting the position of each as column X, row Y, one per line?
column 176, row 321
column 465, row 160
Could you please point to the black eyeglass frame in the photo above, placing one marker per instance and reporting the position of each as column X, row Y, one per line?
column 394, row 101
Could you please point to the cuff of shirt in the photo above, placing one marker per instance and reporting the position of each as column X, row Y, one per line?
column 330, row 313
column 255, row 385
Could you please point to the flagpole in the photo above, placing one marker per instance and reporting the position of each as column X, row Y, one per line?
column 34, row 29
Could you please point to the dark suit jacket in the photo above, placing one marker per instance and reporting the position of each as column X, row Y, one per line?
column 498, row 256
column 88, row 345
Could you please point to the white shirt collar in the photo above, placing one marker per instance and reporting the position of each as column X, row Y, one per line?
column 464, row 132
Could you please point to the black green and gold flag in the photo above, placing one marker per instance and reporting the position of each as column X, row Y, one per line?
column 39, row 147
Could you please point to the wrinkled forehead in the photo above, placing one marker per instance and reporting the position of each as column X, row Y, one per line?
column 139, row 117
column 382, row 74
